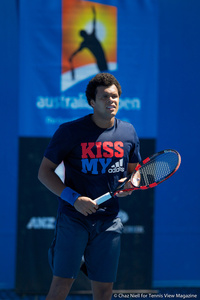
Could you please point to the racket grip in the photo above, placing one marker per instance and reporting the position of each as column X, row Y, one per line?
column 103, row 198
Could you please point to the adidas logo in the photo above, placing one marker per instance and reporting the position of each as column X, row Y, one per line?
column 117, row 167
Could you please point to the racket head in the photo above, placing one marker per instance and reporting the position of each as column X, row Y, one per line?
column 155, row 169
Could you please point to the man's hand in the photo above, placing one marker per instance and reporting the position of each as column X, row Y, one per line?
column 131, row 168
column 85, row 205
column 127, row 186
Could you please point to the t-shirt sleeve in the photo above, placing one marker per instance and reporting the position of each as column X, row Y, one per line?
column 135, row 156
column 59, row 145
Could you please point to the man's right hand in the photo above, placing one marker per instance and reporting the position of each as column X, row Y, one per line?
column 85, row 205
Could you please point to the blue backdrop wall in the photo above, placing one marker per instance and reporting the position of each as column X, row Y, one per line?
column 177, row 235
column 9, row 39
column 176, row 222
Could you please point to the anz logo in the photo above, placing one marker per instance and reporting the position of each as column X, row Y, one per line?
column 41, row 223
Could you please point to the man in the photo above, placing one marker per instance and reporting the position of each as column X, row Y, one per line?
column 98, row 151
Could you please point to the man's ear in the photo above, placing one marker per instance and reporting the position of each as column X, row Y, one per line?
column 92, row 102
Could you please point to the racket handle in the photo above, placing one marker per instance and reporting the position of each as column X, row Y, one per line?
column 103, row 198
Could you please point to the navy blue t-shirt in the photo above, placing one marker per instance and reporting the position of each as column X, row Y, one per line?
column 94, row 159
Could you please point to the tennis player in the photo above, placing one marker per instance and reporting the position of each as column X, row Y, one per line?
column 98, row 152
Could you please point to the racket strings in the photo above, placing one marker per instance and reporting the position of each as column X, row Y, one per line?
column 158, row 169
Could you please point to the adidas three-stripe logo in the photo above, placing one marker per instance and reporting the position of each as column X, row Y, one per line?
column 117, row 167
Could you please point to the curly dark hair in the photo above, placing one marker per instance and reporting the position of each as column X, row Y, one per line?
column 101, row 79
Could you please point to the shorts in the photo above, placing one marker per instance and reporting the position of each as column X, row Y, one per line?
column 99, row 242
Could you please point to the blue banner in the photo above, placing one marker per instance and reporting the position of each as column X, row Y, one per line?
column 63, row 44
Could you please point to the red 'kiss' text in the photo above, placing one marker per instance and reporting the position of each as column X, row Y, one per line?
column 105, row 149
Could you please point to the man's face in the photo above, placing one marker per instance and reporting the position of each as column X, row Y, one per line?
column 106, row 104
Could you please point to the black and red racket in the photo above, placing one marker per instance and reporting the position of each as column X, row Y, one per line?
column 148, row 173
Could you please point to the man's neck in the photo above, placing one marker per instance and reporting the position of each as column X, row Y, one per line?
column 103, row 123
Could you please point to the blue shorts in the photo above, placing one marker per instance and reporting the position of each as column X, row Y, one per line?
column 99, row 243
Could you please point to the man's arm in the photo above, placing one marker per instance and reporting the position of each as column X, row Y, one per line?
column 49, row 178
column 131, row 167
column 52, row 181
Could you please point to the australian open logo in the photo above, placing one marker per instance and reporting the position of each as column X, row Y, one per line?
column 89, row 38
column 88, row 46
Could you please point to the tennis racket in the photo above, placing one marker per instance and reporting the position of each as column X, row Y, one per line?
column 148, row 173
